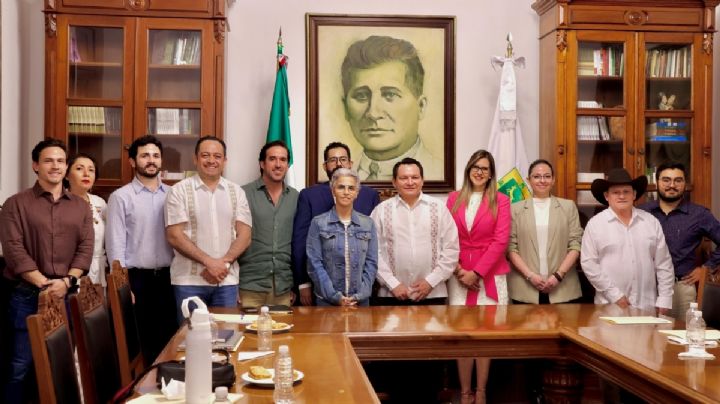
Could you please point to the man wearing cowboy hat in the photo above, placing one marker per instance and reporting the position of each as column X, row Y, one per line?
column 624, row 254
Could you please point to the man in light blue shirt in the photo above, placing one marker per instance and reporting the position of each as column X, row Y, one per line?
column 135, row 236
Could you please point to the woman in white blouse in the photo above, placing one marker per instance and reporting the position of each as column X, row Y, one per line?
column 81, row 175
column 544, row 243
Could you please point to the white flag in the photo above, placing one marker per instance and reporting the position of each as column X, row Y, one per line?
column 506, row 141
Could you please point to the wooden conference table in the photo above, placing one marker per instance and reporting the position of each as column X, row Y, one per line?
column 328, row 344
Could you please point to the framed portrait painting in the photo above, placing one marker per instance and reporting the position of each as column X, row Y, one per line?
column 384, row 86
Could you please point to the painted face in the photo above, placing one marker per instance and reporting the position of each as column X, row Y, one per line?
column 148, row 161
column 51, row 166
column 345, row 191
column 210, row 159
column 337, row 157
column 81, row 174
column 408, row 182
column 275, row 165
column 541, row 180
column 620, row 197
column 382, row 111
column 671, row 185
column 480, row 174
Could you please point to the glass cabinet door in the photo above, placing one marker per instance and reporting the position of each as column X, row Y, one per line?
column 600, row 128
column 668, row 111
column 174, row 91
column 95, row 77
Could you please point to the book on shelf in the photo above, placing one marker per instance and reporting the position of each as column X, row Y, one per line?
column 592, row 127
column 167, row 121
column 668, row 63
column 677, row 138
column 607, row 61
column 74, row 52
column 170, row 48
column 82, row 119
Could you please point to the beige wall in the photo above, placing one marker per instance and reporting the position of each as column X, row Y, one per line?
column 480, row 33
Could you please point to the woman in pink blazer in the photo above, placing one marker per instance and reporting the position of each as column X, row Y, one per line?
column 482, row 215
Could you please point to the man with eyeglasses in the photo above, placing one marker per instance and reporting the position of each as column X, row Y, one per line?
column 318, row 199
column 623, row 252
column 684, row 224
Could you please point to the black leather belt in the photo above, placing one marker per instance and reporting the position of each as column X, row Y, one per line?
column 154, row 271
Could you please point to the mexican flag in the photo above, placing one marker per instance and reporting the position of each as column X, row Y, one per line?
column 506, row 141
column 279, row 126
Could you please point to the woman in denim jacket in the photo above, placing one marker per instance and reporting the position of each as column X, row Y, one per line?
column 342, row 247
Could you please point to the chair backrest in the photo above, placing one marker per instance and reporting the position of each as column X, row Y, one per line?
column 53, row 352
column 709, row 298
column 126, row 331
column 95, row 343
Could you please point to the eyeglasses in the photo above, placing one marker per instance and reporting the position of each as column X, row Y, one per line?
column 476, row 169
column 668, row 180
column 343, row 160
column 538, row 177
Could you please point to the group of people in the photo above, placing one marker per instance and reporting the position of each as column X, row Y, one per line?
column 336, row 244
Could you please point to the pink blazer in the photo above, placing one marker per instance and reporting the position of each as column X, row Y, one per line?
column 483, row 248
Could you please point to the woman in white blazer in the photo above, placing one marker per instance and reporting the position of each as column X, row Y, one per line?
column 544, row 243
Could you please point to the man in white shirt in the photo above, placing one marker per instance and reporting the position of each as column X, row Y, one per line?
column 208, row 223
column 623, row 253
column 418, row 242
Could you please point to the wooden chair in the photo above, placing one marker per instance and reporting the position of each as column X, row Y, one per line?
column 709, row 297
column 95, row 343
column 52, row 352
column 127, row 338
column 702, row 253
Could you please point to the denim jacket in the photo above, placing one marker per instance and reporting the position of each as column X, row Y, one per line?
column 326, row 256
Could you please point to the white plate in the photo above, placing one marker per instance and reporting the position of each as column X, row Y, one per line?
column 269, row 381
column 253, row 328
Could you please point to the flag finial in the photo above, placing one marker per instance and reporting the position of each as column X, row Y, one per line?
column 279, row 42
column 509, row 39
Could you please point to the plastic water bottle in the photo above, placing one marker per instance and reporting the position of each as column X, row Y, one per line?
column 221, row 394
column 283, row 393
column 689, row 312
column 198, row 353
column 213, row 329
column 696, row 333
column 264, row 330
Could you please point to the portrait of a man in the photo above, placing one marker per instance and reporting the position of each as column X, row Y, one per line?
column 382, row 79
column 383, row 85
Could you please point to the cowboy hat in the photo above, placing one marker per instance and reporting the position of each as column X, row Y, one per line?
column 618, row 176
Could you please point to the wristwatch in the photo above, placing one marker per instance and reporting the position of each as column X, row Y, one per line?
column 73, row 280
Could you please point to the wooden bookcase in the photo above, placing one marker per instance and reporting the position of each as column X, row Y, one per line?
column 120, row 69
column 625, row 83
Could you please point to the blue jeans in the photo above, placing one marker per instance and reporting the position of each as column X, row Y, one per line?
column 217, row 296
column 23, row 303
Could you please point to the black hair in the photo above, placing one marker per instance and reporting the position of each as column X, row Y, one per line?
column 206, row 138
column 335, row 145
column 44, row 144
column 72, row 161
column 143, row 141
column 670, row 165
column 407, row 161
column 267, row 146
column 538, row 162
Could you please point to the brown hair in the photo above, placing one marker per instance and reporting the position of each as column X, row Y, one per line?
column 490, row 192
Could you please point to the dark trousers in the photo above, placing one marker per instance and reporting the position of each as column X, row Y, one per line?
column 154, row 309
column 23, row 302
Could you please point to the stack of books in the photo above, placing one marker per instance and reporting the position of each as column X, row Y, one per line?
column 592, row 127
column 667, row 131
